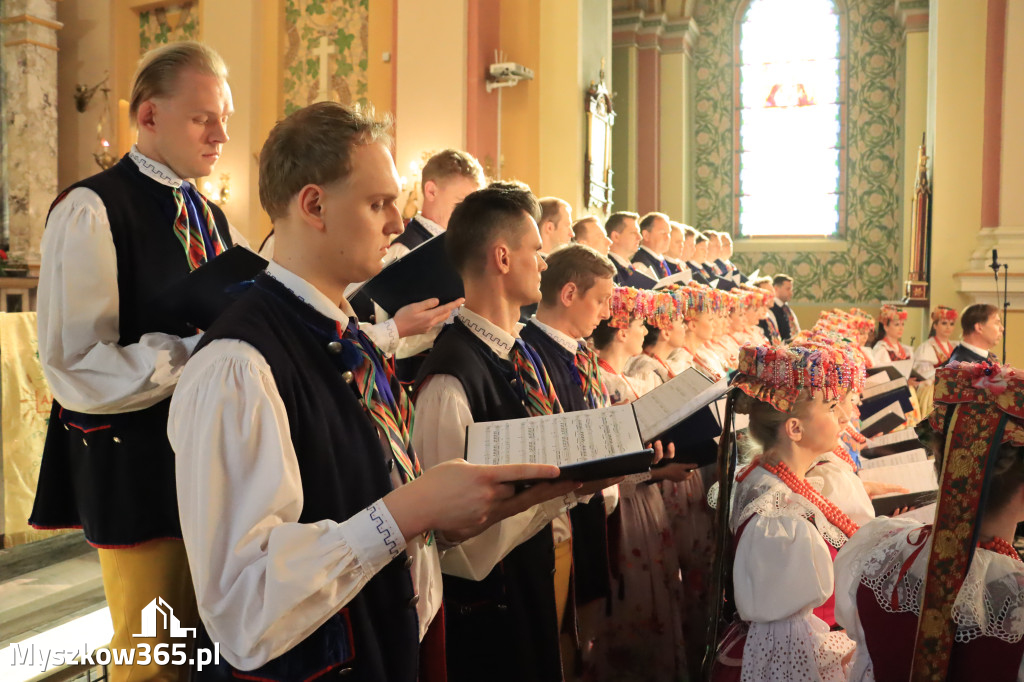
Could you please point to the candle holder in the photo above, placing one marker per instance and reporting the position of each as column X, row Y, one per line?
column 104, row 159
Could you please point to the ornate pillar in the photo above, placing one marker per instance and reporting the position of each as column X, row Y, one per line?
column 677, row 162
column 28, row 33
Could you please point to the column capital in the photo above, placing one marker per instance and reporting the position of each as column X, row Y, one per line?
column 635, row 28
column 913, row 15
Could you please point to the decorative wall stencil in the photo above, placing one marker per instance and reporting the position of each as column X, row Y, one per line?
column 325, row 52
column 168, row 24
column 868, row 271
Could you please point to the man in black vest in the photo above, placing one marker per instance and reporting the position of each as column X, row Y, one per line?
column 112, row 243
column 624, row 234
column 982, row 329
column 308, row 520
column 655, row 233
column 502, row 612
column 785, row 318
column 447, row 177
column 576, row 289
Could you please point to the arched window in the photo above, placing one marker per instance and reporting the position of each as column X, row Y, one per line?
column 790, row 143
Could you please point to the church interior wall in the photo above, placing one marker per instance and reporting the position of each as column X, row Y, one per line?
column 865, row 266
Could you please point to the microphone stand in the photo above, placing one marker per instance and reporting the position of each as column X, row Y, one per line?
column 1006, row 297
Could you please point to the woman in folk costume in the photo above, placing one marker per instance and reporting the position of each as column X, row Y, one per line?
column 779, row 533
column 738, row 332
column 836, row 469
column 944, row 601
column 666, row 331
column 702, row 306
column 725, row 344
column 643, row 639
column 934, row 352
column 889, row 347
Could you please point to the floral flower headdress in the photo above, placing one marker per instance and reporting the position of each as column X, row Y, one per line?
column 890, row 313
column 847, row 360
column 668, row 307
column 978, row 407
column 628, row 304
column 943, row 313
column 862, row 321
column 778, row 375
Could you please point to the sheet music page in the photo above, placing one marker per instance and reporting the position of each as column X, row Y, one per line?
column 559, row 439
column 879, row 389
column 876, row 380
column 904, row 367
column 900, row 458
column 916, row 477
column 675, row 400
column 891, row 438
column 925, row 514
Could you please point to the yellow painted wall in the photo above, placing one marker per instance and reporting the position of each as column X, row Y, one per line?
column 431, row 89
column 624, row 133
column 380, row 39
column 1011, row 197
column 673, row 134
column 957, row 66
column 915, row 122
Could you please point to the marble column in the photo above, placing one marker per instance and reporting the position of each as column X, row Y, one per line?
column 28, row 33
column 676, row 158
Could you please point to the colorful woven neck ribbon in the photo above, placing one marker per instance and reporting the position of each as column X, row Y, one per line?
column 773, row 329
column 384, row 400
column 539, row 394
column 594, row 391
column 196, row 231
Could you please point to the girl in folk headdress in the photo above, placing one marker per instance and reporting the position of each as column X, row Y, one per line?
column 934, row 352
column 782, row 533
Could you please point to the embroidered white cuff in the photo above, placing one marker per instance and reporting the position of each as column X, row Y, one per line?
column 374, row 537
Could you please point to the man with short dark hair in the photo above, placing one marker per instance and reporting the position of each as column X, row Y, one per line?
column 587, row 231
column 308, row 519
column 505, row 588
column 785, row 318
column 982, row 329
column 691, row 249
column 555, row 224
column 655, row 235
column 624, row 234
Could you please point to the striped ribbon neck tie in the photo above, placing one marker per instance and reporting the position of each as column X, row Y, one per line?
column 539, row 395
column 384, row 400
column 195, row 226
column 773, row 330
column 664, row 268
column 594, row 391
column 791, row 318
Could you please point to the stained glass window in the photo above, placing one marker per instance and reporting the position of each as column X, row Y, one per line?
column 790, row 141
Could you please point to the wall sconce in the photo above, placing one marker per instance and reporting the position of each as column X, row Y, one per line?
column 104, row 159
column 85, row 93
column 220, row 194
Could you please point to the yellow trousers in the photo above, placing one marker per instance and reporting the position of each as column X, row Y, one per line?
column 132, row 578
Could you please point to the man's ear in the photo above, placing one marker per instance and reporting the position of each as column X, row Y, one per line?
column 145, row 119
column 309, row 203
column 430, row 190
column 568, row 294
column 501, row 257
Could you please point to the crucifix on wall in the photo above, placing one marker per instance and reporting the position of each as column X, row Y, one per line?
column 324, row 50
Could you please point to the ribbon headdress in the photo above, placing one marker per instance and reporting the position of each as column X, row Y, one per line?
column 978, row 407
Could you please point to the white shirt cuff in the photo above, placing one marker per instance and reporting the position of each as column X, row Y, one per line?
column 374, row 537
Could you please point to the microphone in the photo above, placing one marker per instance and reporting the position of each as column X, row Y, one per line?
column 995, row 261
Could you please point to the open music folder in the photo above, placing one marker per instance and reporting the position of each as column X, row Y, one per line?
column 201, row 296
column 425, row 272
column 594, row 444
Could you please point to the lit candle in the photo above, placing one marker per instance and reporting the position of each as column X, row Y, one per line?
column 124, row 129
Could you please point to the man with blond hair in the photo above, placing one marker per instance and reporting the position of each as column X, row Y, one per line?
column 446, row 179
column 112, row 242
